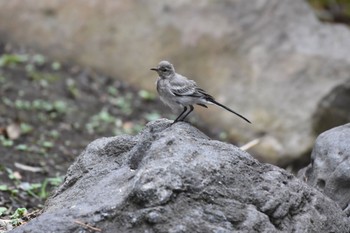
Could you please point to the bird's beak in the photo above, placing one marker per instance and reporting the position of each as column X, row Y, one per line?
column 155, row 69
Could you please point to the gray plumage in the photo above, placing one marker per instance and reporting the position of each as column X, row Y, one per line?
column 178, row 92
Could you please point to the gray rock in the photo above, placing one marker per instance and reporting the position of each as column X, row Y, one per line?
column 329, row 170
column 333, row 110
column 181, row 181
column 270, row 60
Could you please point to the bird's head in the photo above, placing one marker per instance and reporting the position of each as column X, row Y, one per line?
column 164, row 69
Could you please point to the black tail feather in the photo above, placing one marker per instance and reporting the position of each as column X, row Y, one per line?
column 230, row 110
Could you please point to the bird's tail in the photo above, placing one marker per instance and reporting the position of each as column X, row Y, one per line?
column 228, row 109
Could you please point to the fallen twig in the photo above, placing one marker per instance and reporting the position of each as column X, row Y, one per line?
column 28, row 168
column 85, row 225
column 250, row 144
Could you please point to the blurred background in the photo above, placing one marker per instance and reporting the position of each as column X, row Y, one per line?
column 74, row 71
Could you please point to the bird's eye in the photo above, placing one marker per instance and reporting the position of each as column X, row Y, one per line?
column 163, row 69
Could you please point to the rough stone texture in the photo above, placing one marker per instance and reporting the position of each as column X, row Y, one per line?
column 182, row 182
column 329, row 170
column 270, row 60
column 268, row 51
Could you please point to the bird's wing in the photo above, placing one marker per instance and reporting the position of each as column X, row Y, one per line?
column 181, row 86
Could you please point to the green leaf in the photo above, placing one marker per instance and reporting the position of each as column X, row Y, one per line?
column 4, row 187
column 16, row 217
column 47, row 144
column 39, row 59
column 2, row 210
column 146, row 95
column 26, row 128
column 60, row 106
column 152, row 116
column 22, row 147
column 112, row 91
column 12, row 59
column 56, row 65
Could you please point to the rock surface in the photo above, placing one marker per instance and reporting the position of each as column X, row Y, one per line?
column 175, row 179
column 270, row 60
column 329, row 170
column 333, row 109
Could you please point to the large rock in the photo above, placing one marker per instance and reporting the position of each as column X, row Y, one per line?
column 329, row 170
column 175, row 179
column 270, row 60
column 333, row 109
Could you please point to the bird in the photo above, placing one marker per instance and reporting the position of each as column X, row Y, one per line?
column 179, row 92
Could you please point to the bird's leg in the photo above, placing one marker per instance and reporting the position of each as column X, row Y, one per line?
column 185, row 115
column 177, row 119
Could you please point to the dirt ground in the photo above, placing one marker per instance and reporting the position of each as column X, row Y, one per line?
column 49, row 112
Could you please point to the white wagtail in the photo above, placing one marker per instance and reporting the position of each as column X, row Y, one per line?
column 178, row 92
